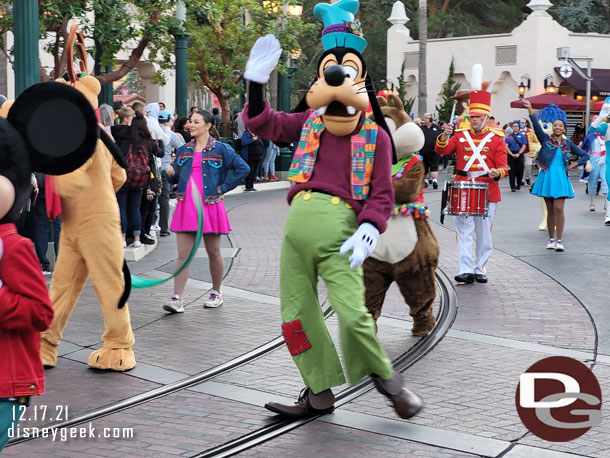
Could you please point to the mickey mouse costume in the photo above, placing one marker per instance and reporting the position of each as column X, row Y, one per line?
column 341, row 203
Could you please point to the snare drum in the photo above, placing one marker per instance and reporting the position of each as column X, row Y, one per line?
column 467, row 198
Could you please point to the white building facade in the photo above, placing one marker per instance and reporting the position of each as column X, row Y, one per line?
column 529, row 50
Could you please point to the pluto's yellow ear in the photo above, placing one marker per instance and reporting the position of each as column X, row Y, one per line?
column 5, row 107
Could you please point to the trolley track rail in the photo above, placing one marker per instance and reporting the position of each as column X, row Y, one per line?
column 446, row 315
column 445, row 318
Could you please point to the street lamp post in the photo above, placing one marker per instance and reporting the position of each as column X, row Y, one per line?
column 180, row 51
column 293, row 9
column 564, row 53
column 26, row 30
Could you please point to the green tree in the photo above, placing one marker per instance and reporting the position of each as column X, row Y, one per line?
column 583, row 16
column 222, row 32
column 147, row 23
column 443, row 111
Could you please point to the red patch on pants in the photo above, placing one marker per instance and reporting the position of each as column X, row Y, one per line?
column 295, row 337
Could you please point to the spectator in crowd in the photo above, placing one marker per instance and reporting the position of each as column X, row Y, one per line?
column 161, row 106
column 122, row 132
column 516, row 144
column 205, row 162
column 553, row 182
column 130, row 194
column 106, row 116
column 240, row 125
column 431, row 159
column 193, row 110
column 38, row 222
column 116, row 105
column 269, row 162
column 139, row 107
column 151, row 192
column 182, row 128
column 217, row 118
column 252, row 149
column 170, row 148
column 533, row 146
column 417, row 121
column 579, row 134
column 595, row 145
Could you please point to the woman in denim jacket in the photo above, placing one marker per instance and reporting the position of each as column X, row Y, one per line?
column 206, row 161
column 553, row 183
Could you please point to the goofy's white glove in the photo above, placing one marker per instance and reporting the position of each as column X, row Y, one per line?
column 362, row 242
column 263, row 59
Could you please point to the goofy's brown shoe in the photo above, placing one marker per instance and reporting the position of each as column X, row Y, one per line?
column 308, row 405
column 406, row 403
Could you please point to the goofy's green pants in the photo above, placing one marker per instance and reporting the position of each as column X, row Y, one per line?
column 316, row 227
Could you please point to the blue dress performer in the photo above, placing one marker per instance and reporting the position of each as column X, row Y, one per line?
column 553, row 183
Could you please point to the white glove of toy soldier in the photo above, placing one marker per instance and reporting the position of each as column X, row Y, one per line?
column 362, row 242
column 603, row 114
column 263, row 59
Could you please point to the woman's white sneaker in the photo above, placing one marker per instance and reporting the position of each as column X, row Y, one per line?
column 550, row 245
column 174, row 305
column 215, row 300
column 558, row 245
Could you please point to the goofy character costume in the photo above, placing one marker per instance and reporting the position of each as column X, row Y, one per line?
column 341, row 202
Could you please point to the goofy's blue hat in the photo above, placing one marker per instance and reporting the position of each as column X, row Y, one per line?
column 340, row 28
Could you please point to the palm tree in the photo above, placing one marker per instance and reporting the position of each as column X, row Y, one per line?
column 423, row 39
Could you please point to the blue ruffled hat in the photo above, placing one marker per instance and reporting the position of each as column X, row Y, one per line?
column 340, row 28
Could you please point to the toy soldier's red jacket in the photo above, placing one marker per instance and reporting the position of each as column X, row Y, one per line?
column 493, row 153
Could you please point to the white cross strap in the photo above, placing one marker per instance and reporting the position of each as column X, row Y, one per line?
column 476, row 151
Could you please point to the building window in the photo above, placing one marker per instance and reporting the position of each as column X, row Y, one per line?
column 411, row 60
column 506, row 55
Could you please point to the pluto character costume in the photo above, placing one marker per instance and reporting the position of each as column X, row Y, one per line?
column 407, row 252
column 91, row 244
column 341, row 202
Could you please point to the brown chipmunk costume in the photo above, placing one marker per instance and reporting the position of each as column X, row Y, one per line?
column 407, row 252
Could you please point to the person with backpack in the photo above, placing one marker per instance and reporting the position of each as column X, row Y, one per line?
column 138, row 176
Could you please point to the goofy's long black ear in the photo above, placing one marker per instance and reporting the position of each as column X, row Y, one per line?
column 379, row 118
column 58, row 125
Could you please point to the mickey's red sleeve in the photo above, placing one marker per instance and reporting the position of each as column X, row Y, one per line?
column 24, row 298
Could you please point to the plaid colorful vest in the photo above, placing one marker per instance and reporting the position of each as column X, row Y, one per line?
column 363, row 155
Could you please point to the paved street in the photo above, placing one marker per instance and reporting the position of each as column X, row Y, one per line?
column 537, row 304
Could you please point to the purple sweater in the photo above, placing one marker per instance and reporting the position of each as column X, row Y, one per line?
column 332, row 171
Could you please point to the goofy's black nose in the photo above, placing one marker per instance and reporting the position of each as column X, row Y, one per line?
column 334, row 75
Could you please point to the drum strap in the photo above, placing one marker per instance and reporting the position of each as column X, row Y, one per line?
column 476, row 151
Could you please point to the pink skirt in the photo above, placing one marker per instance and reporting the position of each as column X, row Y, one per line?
column 215, row 218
